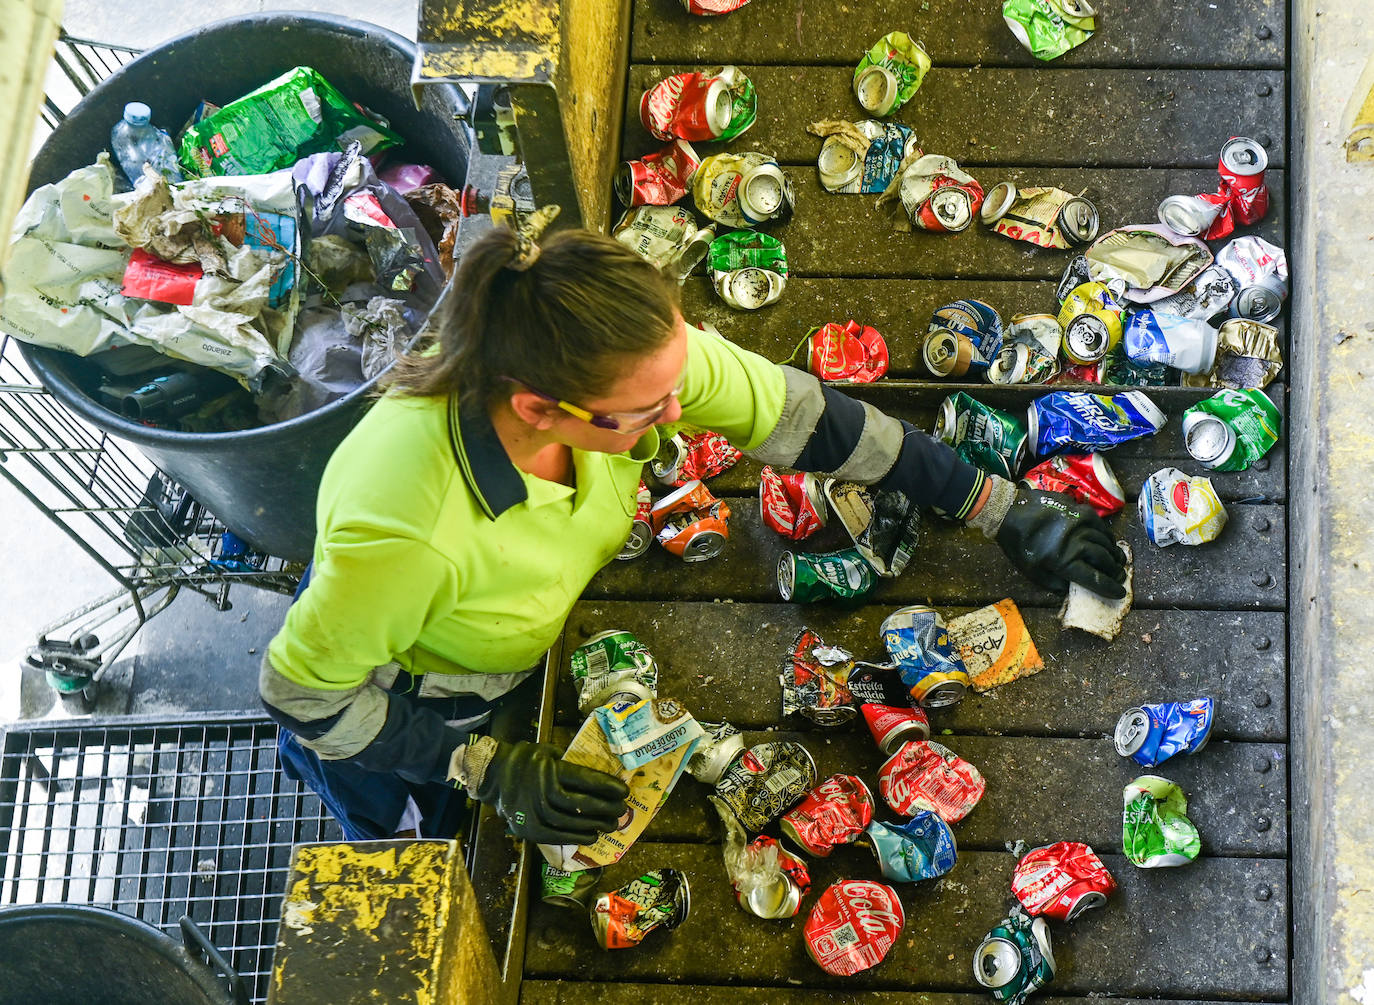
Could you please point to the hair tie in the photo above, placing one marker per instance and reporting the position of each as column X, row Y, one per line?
column 526, row 250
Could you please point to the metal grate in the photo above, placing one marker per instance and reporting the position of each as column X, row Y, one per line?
column 155, row 819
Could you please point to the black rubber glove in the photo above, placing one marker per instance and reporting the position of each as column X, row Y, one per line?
column 547, row 800
column 1054, row 541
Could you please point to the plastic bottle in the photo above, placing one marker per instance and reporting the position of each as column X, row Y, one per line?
column 135, row 140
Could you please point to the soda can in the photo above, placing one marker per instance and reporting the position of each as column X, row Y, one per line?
column 748, row 269
column 975, row 320
column 792, row 505
column 890, row 73
column 776, row 880
column 945, row 353
column 1078, row 221
column 925, row 775
column 642, row 530
column 1248, row 357
column 1253, row 261
column 852, row 926
column 835, row 812
column 1185, row 344
column 1091, row 319
column 850, row 352
column 982, row 435
column 742, row 190
column 998, row 202
column 1260, row 301
column 700, row 106
column 658, row 899
column 1252, row 426
column 948, row 209
column 1061, row 881
column 1155, row 829
column 814, row 681
column 862, row 156
column 691, row 522
column 1241, row 167
column 894, row 725
column 920, row 848
column 1067, row 420
column 568, row 889
column 1151, row 734
column 712, row 8
column 917, row 639
column 931, row 176
column 1202, row 299
column 1049, row 28
column 612, row 666
column 686, row 457
column 667, row 237
column 843, row 575
column 722, row 745
column 657, row 179
column 1015, row 959
column 1086, row 478
column 764, row 782
column 1030, row 353
column 1177, row 509
column 1191, row 215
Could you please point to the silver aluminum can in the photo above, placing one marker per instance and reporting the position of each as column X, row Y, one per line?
column 952, row 207
column 1244, row 156
column 876, row 88
column 998, row 202
column 1078, row 221
column 839, row 165
column 1132, row 730
column 1187, row 214
column 1261, row 301
column 1086, row 339
column 764, row 193
column 1210, row 440
column 719, row 748
column 1009, row 365
column 764, row 783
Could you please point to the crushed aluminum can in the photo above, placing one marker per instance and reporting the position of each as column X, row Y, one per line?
column 925, row 775
column 1193, row 215
column 1081, row 373
column 658, row 899
column 975, row 320
column 567, row 889
column 1015, row 959
column 947, row 354
column 691, row 522
column 917, row 639
column 852, row 926
column 920, row 848
column 1061, row 881
column 1118, row 368
column 1261, row 272
column 938, row 195
column 847, row 353
column 657, row 179
column 814, row 681
column 712, row 8
column 1155, row 830
column 884, row 526
column 642, row 530
column 748, row 269
column 1241, row 166
column 665, row 236
column 835, row 575
column 1076, row 273
column 894, row 725
column 1049, row 28
column 1044, row 217
column 863, row 156
column 1030, row 352
column 638, row 732
column 1248, row 357
column 1185, row 344
column 742, row 190
column 890, row 73
column 769, row 882
column 835, row 812
column 1080, row 420
column 764, row 783
column 1232, row 429
column 700, row 106
column 792, row 505
column 881, row 685
column 1151, row 734
column 1178, row 509
column 612, row 666
column 685, row 457
column 1085, row 478
column 1204, row 298
column 994, row 645
column 722, row 745
column 1091, row 319
column 984, row 436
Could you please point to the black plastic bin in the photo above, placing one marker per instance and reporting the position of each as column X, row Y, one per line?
column 261, row 482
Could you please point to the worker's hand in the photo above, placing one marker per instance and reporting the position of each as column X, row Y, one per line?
column 547, row 800
column 1054, row 541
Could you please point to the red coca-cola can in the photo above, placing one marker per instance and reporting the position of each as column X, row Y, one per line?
column 853, row 925
column 657, row 179
column 835, row 812
column 792, row 505
column 782, row 897
column 1061, row 880
column 1085, row 477
column 710, row 8
column 849, row 352
column 642, row 530
column 1074, row 373
column 688, row 106
column 1241, row 166
column 691, row 522
column 893, row 725
column 950, row 207
column 925, row 775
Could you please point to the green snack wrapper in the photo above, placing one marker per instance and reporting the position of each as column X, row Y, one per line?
column 1254, row 418
column 1049, row 28
column 298, row 114
column 1155, row 829
column 904, row 59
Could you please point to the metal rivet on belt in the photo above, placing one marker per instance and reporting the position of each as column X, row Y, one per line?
column 1264, row 32
column 1262, row 954
column 1262, row 643
column 1262, row 579
column 1260, row 698
column 1264, row 90
column 1262, row 524
column 1263, row 823
column 1262, row 765
column 1263, row 892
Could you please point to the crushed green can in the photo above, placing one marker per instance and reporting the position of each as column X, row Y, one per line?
column 984, row 436
column 1232, row 429
column 1049, row 28
column 842, row 575
column 748, row 269
column 890, row 73
column 1155, row 829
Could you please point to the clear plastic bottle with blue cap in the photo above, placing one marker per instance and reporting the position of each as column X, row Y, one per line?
column 136, row 141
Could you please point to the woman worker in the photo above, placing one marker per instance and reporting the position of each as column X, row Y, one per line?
column 461, row 519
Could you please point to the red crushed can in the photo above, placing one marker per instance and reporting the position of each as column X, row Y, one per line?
column 833, row 813
column 1241, row 166
column 852, row 926
column 846, row 352
column 705, row 455
column 893, row 725
column 689, row 106
column 925, row 775
column 1073, row 373
column 792, row 505
column 710, row 8
column 657, row 179
column 1084, row 477
column 642, row 530
column 1061, row 880
column 691, row 522
column 782, row 897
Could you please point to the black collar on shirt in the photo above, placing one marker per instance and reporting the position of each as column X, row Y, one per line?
column 485, row 465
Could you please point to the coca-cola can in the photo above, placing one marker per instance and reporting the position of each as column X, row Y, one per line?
column 764, row 783
column 657, row 179
column 689, row 106
column 1061, row 881
column 642, row 530
column 782, row 897
column 792, row 505
column 949, row 209
column 1241, row 166
column 894, row 725
column 1085, row 477
column 853, row 925
column 833, row 813
column 691, row 522
column 925, row 775
column 658, row 899
column 1191, row 215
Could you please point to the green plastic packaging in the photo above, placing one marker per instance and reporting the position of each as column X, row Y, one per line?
column 746, row 249
column 1155, row 829
column 1049, row 28
column 298, row 114
column 1252, row 417
column 890, row 73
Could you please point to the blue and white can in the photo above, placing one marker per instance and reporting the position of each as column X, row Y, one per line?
column 1152, row 734
column 1186, row 344
column 1085, row 422
column 921, row 848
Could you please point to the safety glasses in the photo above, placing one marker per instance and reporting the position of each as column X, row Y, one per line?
column 620, row 422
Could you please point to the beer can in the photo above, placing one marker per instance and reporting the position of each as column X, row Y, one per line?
column 998, row 202
column 852, row 926
column 764, row 782
column 814, row 681
column 879, row 685
column 742, row 190
column 1251, row 416
column 1068, row 420
column 1190, row 215
column 982, row 435
column 1186, row 344
column 949, row 209
column 835, row 812
column 1241, row 166
column 975, row 320
column 1061, row 881
column 1151, row 734
column 611, row 665
column 1209, row 439
column 1086, row 339
column 894, row 725
column 890, row 73
column 568, row 889
column 691, row 522
column 1177, row 509
column 1155, row 830
column 780, row 894
column 945, row 353
column 1260, row 301
column 722, row 745
column 642, row 530
column 658, row 899
column 920, row 848
column 840, row 165
column 925, row 775
column 1015, row 959
column 1078, row 221
column 917, row 639
column 804, row 578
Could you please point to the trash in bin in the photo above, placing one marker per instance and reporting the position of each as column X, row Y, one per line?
column 1088, row 612
column 916, row 849
column 1050, row 28
column 1232, row 429
column 994, row 645
column 1061, row 881
column 1151, row 734
column 844, row 353
column 1247, row 357
column 742, row 190
column 863, row 156
column 1155, row 829
column 890, row 73
column 1178, row 509
column 658, row 899
column 852, row 926
column 835, row 812
column 440, row 211
column 136, row 142
column 1045, row 217
column 1015, row 958
column 657, row 179
column 700, row 106
column 748, row 269
column 814, row 681
column 925, row 775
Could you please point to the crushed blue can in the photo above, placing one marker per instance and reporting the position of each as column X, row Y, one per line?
column 1152, row 734
column 921, row 848
column 1015, row 959
column 980, row 324
column 919, row 644
column 1085, row 422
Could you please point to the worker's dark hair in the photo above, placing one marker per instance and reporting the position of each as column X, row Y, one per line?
column 566, row 317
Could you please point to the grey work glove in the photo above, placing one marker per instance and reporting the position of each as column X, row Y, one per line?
column 1054, row 542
